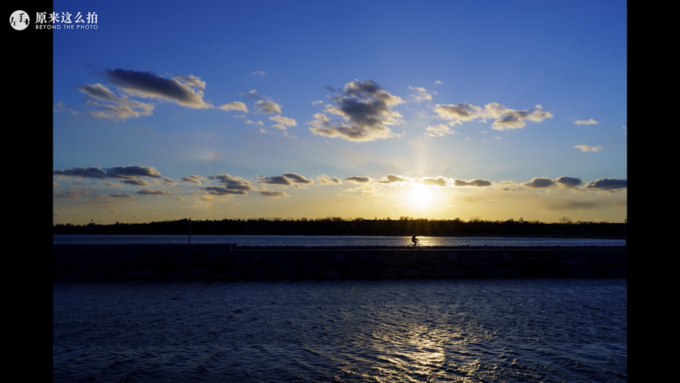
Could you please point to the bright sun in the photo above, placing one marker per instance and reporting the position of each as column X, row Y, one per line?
column 420, row 197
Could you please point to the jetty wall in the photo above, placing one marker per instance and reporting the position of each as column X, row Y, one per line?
column 218, row 262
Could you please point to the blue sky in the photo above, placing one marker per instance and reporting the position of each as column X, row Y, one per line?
column 502, row 92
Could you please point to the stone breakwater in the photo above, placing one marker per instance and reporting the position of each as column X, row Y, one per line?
column 173, row 262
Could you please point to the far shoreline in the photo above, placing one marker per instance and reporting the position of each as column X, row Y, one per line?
column 537, row 236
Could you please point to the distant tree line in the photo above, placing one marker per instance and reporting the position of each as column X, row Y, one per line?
column 357, row 226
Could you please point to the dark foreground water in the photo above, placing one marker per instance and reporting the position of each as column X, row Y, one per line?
column 329, row 240
column 531, row 330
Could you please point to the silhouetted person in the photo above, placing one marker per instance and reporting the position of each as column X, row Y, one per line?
column 414, row 240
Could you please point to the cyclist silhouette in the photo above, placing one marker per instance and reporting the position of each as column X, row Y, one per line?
column 414, row 240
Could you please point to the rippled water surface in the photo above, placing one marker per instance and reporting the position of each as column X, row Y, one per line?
column 314, row 241
column 531, row 330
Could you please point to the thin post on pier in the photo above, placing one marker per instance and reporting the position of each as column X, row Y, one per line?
column 190, row 230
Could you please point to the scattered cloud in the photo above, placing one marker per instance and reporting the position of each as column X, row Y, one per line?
column 439, row 130
column 504, row 118
column 358, row 179
column 274, row 194
column 392, row 179
column 283, row 122
column 514, row 119
column 421, row 94
column 261, row 73
column 586, row 148
column 266, row 106
column 474, row 183
column 136, row 182
column 458, row 113
column 250, row 122
column 326, row 180
column 183, row 90
column 315, row 103
column 223, row 190
column 233, row 185
column 586, row 122
column 438, row 82
column 239, row 116
column 569, row 182
column 192, row 179
column 507, row 186
column 120, row 172
column 607, row 184
column 153, row 192
column 60, row 106
column 438, row 181
column 112, row 107
column 252, row 94
column 539, row 182
column 234, row 106
column 287, row 179
column 121, row 195
column 365, row 109
column 181, row 198
column 169, row 181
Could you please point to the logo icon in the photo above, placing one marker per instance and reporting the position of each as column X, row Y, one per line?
column 19, row 20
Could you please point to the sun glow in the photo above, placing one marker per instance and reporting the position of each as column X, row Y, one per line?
column 420, row 197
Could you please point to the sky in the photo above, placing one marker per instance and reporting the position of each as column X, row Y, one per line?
column 313, row 109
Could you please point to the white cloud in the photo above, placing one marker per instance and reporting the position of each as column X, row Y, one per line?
column 421, row 94
column 112, row 107
column 58, row 107
column 266, row 106
column 192, row 179
column 504, row 118
column 439, row 130
column 586, row 148
column 326, row 180
column 365, row 110
column 586, row 122
column 283, row 122
column 234, row 106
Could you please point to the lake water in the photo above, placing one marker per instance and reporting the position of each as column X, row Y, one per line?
column 520, row 330
column 323, row 241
